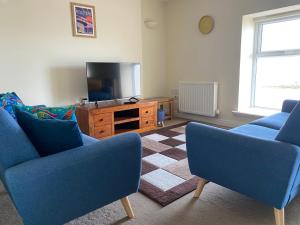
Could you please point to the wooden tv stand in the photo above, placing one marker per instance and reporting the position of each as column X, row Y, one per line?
column 108, row 119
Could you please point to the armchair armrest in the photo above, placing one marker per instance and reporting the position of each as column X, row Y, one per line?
column 58, row 188
column 261, row 169
column 289, row 105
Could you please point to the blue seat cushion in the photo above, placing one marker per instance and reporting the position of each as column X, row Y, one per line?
column 50, row 136
column 87, row 140
column 290, row 132
column 15, row 145
column 256, row 131
column 275, row 121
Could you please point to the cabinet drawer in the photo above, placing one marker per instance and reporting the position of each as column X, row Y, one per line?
column 102, row 119
column 147, row 111
column 148, row 122
column 103, row 131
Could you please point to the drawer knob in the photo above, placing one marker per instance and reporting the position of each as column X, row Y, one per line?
column 147, row 112
column 147, row 122
column 101, row 132
column 101, row 120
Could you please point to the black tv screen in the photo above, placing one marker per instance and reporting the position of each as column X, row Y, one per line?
column 109, row 81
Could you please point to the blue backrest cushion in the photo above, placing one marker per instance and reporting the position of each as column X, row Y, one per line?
column 8, row 101
column 290, row 132
column 50, row 136
column 289, row 105
column 15, row 146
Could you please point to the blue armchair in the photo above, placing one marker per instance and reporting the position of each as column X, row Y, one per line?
column 247, row 159
column 55, row 189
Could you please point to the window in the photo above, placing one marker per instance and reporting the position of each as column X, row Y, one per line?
column 276, row 62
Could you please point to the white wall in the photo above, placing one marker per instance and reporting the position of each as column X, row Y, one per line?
column 154, row 49
column 192, row 56
column 44, row 63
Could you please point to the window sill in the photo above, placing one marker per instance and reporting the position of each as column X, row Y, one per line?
column 254, row 112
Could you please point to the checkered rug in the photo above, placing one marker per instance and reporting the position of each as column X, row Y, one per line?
column 165, row 173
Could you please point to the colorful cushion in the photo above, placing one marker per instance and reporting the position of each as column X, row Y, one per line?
column 30, row 109
column 2, row 94
column 42, row 112
column 8, row 101
column 62, row 113
column 290, row 132
column 49, row 136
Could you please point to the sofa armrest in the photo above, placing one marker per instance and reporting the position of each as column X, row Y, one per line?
column 289, row 105
column 58, row 188
column 261, row 169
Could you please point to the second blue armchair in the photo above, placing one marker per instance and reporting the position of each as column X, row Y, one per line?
column 248, row 159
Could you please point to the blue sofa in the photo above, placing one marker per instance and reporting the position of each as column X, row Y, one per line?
column 55, row 189
column 248, row 159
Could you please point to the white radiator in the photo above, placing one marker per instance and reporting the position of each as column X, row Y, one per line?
column 198, row 98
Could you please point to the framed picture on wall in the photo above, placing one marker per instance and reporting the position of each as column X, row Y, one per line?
column 83, row 20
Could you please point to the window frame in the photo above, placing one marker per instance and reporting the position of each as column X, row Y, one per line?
column 257, row 48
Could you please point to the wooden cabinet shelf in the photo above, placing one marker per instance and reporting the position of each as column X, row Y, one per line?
column 106, row 120
column 122, row 131
column 121, row 120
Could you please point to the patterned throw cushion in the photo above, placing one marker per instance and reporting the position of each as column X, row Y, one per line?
column 61, row 113
column 2, row 94
column 30, row 109
column 8, row 101
column 43, row 112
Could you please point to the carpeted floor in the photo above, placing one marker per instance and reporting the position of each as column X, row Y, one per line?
column 216, row 206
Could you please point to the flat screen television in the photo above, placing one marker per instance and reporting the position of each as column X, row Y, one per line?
column 110, row 81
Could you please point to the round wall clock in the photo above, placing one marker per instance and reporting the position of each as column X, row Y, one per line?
column 206, row 24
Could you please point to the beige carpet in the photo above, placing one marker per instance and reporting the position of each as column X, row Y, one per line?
column 216, row 206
